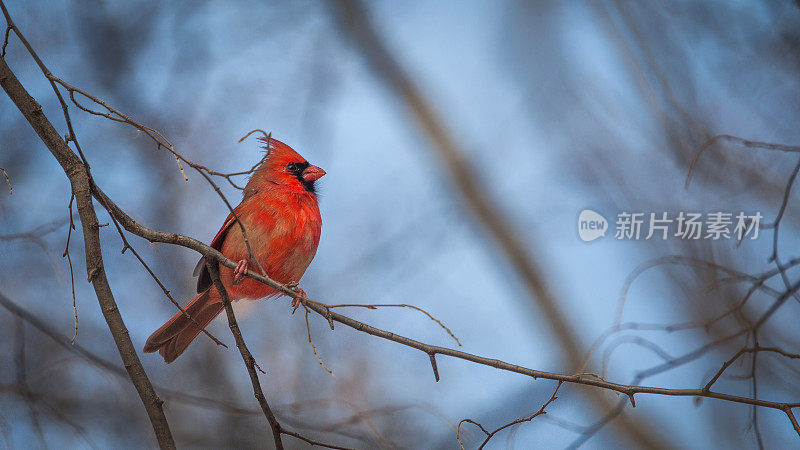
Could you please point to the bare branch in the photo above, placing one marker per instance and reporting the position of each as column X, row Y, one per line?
column 355, row 22
column 747, row 143
column 491, row 434
column 629, row 390
column 8, row 181
column 70, row 227
column 743, row 351
column 78, row 174
column 112, row 368
column 398, row 305
column 127, row 246
column 249, row 361
column 314, row 347
column 277, row 429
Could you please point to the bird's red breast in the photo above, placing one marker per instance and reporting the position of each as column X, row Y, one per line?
column 281, row 218
column 283, row 229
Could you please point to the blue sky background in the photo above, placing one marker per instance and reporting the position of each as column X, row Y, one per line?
column 560, row 106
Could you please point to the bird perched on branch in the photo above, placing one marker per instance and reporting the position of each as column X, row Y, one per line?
column 280, row 215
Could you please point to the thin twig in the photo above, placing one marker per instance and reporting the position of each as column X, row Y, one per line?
column 784, row 202
column 5, row 41
column 70, row 227
column 314, row 347
column 8, row 181
column 249, row 361
column 399, row 305
column 491, row 434
column 747, row 143
column 743, row 351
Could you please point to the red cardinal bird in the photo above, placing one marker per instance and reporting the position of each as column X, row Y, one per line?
column 280, row 214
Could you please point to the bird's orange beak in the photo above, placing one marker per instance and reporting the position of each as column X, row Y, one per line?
column 312, row 173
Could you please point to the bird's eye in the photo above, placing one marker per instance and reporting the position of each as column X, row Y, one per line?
column 292, row 167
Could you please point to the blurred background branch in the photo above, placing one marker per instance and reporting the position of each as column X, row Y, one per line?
column 354, row 20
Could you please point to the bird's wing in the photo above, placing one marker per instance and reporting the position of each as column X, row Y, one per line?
column 204, row 280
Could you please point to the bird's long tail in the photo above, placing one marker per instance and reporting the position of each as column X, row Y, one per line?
column 174, row 337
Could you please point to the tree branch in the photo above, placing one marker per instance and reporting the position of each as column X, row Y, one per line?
column 324, row 310
column 354, row 20
column 78, row 175
column 249, row 361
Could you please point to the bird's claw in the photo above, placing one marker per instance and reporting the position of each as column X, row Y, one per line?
column 297, row 289
column 239, row 271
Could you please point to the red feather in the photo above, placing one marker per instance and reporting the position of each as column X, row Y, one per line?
column 281, row 217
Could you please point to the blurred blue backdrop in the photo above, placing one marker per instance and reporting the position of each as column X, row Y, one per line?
column 559, row 106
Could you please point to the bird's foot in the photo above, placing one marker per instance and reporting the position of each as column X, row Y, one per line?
column 239, row 271
column 295, row 301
